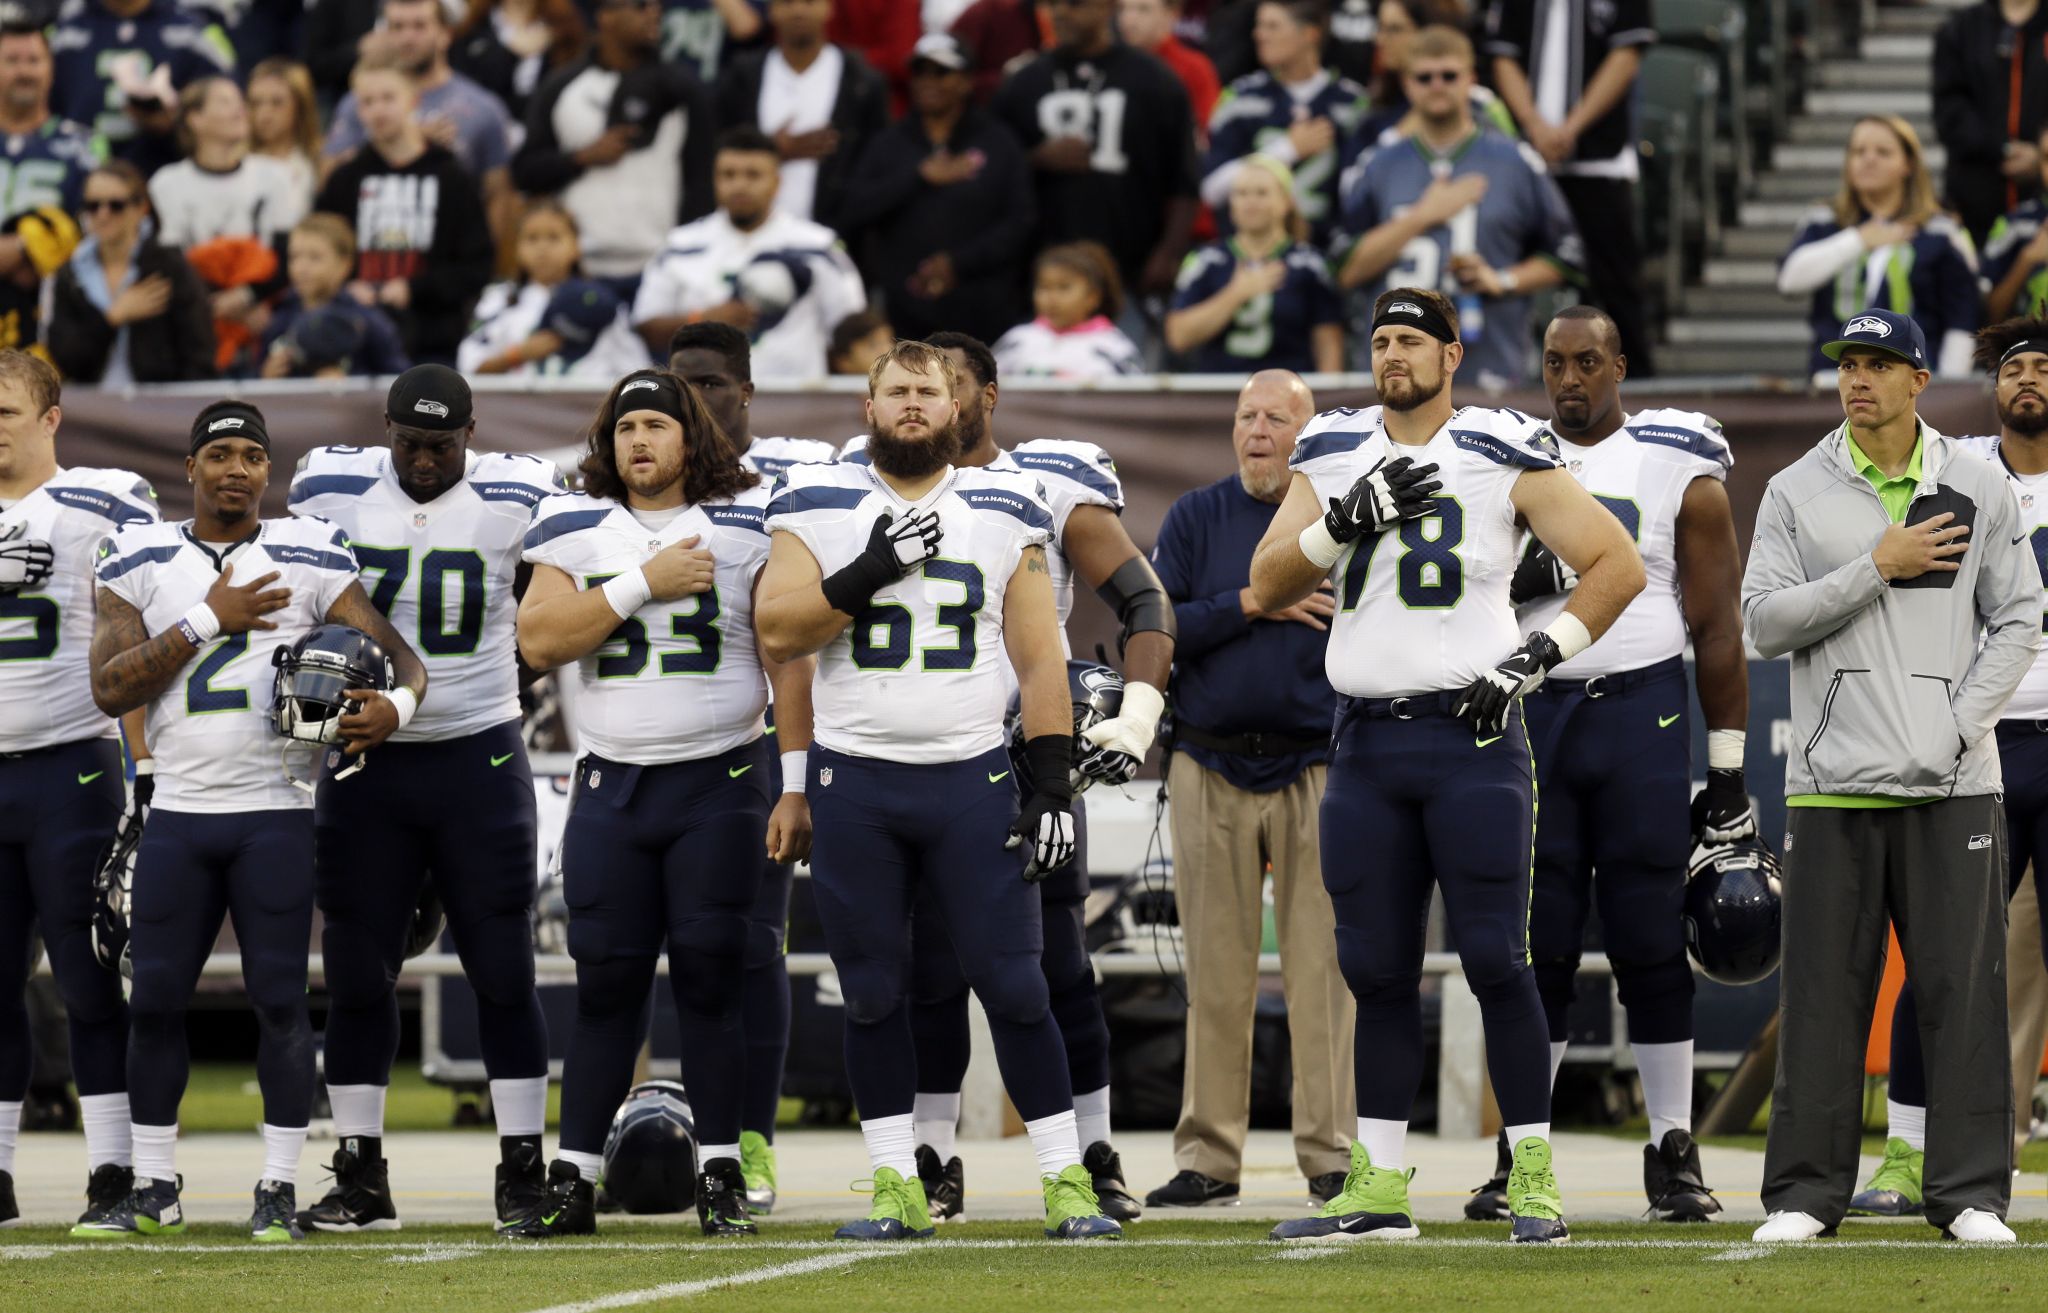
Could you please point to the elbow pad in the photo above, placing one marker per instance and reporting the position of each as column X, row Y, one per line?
column 1139, row 600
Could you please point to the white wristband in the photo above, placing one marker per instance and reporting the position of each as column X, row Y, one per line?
column 1570, row 634
column 1724, row 749
column 406, row 701
column 145, row 765
column 628, row 592
column 1143, row 705
column 200, row 625
column 1318, row 546
column 795, row 770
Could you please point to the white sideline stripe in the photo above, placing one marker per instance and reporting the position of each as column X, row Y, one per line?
column 29, row 1251
column 685, row 1289
column 1739, row 1254
column 438, row 1254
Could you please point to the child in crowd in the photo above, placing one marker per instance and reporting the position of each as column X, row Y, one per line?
column 315, row 331
column 550, row 320
column 1077, row 296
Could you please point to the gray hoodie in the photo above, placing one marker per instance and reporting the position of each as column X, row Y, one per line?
column 1892, row 692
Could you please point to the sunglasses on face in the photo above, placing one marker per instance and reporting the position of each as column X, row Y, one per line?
column 1434, row 76
column 111, row 204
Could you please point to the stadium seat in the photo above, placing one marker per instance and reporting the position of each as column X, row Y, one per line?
column 1717, row 28
column 1688, row 83
column 1663, row 207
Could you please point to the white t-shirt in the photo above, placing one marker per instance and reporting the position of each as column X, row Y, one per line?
column 258, row 198
column 799, row 102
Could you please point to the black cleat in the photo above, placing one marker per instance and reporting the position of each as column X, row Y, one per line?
column 722, row 1199
column 108, row 1185
column 360, row 1198
column 275, row 1220
column 10, row 1212
column 1107, row 1172
column 1191, row 1189
column 1489, row 1203
column 151, row 1208
column 1322, row 1189
column 569, row 1209
column 1671, row 1178
column 945, row 1187
column 522, row 1185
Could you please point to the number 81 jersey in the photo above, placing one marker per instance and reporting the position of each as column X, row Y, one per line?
column 1423, row 607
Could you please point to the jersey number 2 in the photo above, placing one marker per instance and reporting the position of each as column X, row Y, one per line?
column 201, row 697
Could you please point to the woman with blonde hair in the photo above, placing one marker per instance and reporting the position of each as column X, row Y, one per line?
column 284, row 121
column 1884, row 244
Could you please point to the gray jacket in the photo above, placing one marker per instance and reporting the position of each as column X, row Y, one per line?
column 1892, row 693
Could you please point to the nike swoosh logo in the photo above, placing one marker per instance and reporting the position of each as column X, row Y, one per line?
column 1480, row 743
column 1664, row 722
column 499, row 761
column 735, row 774
column 2017, row 541
column 87, row 779
column 549, row 1220
column 997, row 779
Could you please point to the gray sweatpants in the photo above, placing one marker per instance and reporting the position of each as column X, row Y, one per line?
column 1937, row 872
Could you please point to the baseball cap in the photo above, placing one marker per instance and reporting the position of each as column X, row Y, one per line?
column 1881, row 330
column 428, row 397
column 943, row 49
column 577, row 312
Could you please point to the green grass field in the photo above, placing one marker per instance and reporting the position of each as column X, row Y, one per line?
column 1206, row 1265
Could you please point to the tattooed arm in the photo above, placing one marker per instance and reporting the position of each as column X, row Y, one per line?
column 375, row 717
column 129, row 668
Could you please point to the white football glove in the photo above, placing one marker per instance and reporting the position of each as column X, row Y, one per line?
column 1118, row 745
column 24, row 562
column 913, row 540
column 1048, row 823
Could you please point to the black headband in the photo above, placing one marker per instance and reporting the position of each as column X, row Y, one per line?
column 2021, row 348
column 1415, row 313
column 234, row 420
column 649, row 391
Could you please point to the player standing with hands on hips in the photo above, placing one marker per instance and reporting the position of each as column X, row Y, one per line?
column 1422, row 505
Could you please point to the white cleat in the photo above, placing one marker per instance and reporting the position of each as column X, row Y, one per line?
column 1974, row 1226
column 1790, row 1228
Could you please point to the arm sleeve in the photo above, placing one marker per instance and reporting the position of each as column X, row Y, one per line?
column 2010, row 603
column 1782, row 610
column 1205, row 623
column 541, row 166
column 1813, row 261
column 1506, row 34
column 331, row 584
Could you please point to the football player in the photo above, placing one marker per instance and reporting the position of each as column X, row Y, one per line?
column 60, row 768
column 908, row 576
column 647, row 580
column 436, row 530
column 191, row 616
column 716, row 359
column 1419, row 506
column 1613, row 754
column 1079, row 484
column 2015, row 354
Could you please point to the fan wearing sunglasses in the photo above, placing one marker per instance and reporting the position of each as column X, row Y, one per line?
column 126, row 308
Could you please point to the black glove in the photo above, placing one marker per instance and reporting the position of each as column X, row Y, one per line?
column 895, row 548
column 1390, row 491
column 1721, row 813
column 1541, row 574
column 1488, row 699
column 1100, row 764
column 24, row 562
column 1046, row 821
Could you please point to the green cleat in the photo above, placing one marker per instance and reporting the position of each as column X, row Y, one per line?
column 1072, row 1211
column 1372, row 1205
column 1533, row 1199
column 1895, row 1190
column 898, row 1213
column 757, row 1165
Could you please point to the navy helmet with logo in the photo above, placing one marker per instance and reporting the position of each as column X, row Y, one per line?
column 1734, row 907
column 650, row 1152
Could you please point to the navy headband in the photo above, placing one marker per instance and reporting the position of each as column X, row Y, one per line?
column 231, row 421
column 649, row 391
column 2020, row 348
column 1415, row 313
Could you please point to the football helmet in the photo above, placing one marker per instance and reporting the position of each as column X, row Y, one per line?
column 306, row 702
column 113, row 886
column 650, row 1152
column 1098, row 695
column 1734, row 905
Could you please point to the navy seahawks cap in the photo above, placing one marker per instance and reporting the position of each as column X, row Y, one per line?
column 1881, row 330
column 428, row 397
column 579, row 310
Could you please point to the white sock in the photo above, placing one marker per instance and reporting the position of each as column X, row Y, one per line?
column 358, row 1109
column 282, row 1146
column 1054, row 1141
column 588, row 1165
column 10, row 1131
column 156, row 1151
column 1386, row 1142
column 107, row 1139
column 1908, row 1122
column 935, row 1120
column 891, row 1143
column 1666, row 1072
column 1557, row 1048
column 521, row 1105
column 708, row 1153
column 1517, row 1134
column 1091, row 1117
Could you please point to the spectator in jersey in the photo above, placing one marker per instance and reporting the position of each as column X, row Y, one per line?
column 46, row 157
column 820, row 102
column 423, row 248
column 784, row 281
column 623, row 141
column 551, row 320
column 109, row 53
column 507, row 46
column 1465, row 211
column 942, row 207
column 1109, row 134
column 857, row 342
column 708, row 35
column 1077, row 297
column 126, row 308
column 221, row 188
column 317, row 331
column 1293, row 110
column 2014, row 268
column 1884, row 244
column 284, row 122
column 1990, row 106
column 1261, row 299
column 332, row 42
column 1004, row 35
column 1399, row 21
column 1148, row 25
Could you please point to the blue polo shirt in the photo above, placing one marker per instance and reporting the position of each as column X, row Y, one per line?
column 1232, row 675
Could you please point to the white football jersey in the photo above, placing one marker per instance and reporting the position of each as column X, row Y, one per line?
column 922, row 675
column 210, row 731
column 769, row 457
column 1096, row 348
column 2030, row 494
column 1640, row 472
column 46, row 632
column 1424, row 607
column 441, row 571
column 679, row 680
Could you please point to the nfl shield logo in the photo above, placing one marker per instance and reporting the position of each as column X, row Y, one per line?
column 333, row 761
column 596, row 778
column 654, row 544
column 824, row 776
column 419, row 519
column 1577, row 466
column 2026, row 501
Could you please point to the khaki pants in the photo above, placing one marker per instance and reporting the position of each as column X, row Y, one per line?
column 2026, row 998
column 1223, row 837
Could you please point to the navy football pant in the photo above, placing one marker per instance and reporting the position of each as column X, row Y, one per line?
column 193, row 869
column 653, row 857
column 1413, row 804
column 1615, row 765
column 887, row 830
column 58, row 810
column 938, row 1014
column 2023, row 755
column 460, row 813
column 764, row 982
